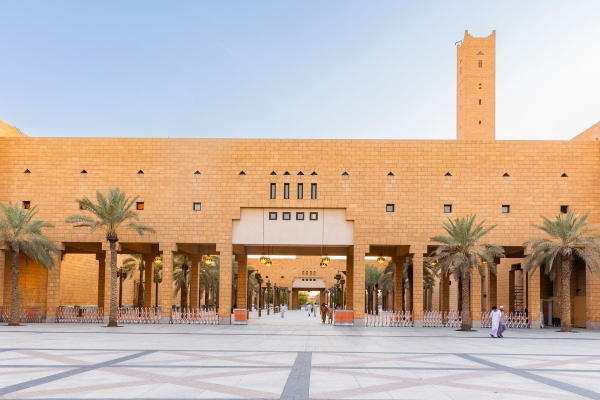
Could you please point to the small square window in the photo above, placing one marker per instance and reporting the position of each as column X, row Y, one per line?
column 389, row 208
column 313, row 191
column 314, row 216
column 197, row 206
column 479, row 101
column 447, row 208
column 273, row 190
column 505, row 209
column 139, row 205
column 564, row 209
column 82, row 207
column 272, row 216
column 26, row 205
column 286, row 216
column 300, row 216
column 480, row 63
column 300, row 191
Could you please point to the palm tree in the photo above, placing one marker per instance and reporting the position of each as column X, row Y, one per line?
column 460, row 252
column 429, row 276
column 569, row 236
column 20, row 233
column 111, row 213
column 181, row 277
column 128, row 267
column 373, row 276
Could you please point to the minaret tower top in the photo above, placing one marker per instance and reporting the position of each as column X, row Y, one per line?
column 476, row 88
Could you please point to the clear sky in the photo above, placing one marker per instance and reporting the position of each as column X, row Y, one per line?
column 283, row 69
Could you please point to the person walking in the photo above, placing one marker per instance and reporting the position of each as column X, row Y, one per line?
column 495, row 315
column 282, row 309
column 502, row 324
column 330, row 314
column 309, row 308
column 323, row 312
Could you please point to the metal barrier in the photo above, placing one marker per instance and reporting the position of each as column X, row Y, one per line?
column 28, row 314
column 135, row 315
column 390, row 318
column 516, row 320
column 194, row 316
column 442, row 319
column 72, row 314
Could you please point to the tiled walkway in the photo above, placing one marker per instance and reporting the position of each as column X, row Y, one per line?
column 294, row 358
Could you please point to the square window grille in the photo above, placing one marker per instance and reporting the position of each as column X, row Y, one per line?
column 139, row 205
column 447, row 208
column 197, row 206
column 505, row 209
column 389, row 208
column 564, row 209
column 272, row 216
column 314, row 216
column 26, row 205
column 300, row 216
column 286, row 216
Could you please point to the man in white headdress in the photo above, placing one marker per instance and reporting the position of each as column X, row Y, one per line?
column 496, row 316
column 502, row 324
column 282, row 310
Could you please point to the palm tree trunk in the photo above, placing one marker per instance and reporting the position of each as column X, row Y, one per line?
column 184, row 291
column 112, row 319
column 466, row 303
column 565, row 295
column 15, row 305
column 141, row 289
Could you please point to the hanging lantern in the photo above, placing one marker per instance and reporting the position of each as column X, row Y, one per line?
column 268, row 263
column 484, row 262
column 380, row 259
column 208, row 260
column 433, row 263
column 157, row 259
column 326, row 260
column 263, row 259
column 323, row 264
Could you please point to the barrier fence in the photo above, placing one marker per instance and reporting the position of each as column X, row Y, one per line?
column 72, row 314
column 442, row 319
column 389, row 318
column 135, row 315
column 515, row 320
column 28, row 314
column 194, row 316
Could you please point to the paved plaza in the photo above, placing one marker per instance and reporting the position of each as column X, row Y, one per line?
column 294, row 358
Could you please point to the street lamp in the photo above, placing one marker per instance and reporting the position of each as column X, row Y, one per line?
column 121, row 275
column 275, row 296
column 157, row 280
column 377, row 298
column 342, row 281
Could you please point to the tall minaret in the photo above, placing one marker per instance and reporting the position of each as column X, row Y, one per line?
column 476, row 88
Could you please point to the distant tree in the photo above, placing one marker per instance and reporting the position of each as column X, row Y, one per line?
column 129, row 267
column 182, row 278
column 20, row 233
column 302, row 298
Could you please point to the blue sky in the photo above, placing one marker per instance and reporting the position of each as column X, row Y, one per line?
column 272, row 69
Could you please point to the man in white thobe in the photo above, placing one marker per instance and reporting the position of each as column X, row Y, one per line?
column 496, row 316
column 309, row 308
column 282, row 310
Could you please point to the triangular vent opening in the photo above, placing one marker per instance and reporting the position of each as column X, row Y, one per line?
column 506, row 175
column 197, row 172
column 242, row 173
column 286, row 173
column 314, row 173
column 480, row 54
column 273, row 173
column 140, row 172
column 564, row 176
column 83, row 171
column 391, row 174
column 448, row 174
column 300, row 173
column 345, row 174
column 27, row 171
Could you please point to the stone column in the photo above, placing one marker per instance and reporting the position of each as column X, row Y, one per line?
column 149, row 284
column 295, row 304
column 225, row 281
column 445, row 293
column 533, row 293
column 417, row 286
column 2, row 269
column 53, row 289
column 398, row 286
column 195, row 281
column 350, row 278
column 101, row 258
column 358, row 284
column 475, row 300
column 242, row 281
column 165, row 290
